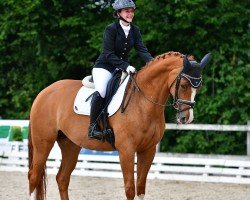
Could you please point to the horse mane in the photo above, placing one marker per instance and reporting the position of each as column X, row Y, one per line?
column 170, row 53
column 167, row 55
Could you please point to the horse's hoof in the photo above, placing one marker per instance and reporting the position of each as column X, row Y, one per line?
column 141, row 197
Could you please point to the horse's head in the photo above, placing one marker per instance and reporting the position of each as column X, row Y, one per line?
column 187, row 83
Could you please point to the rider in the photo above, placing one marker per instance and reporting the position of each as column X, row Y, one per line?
column 119, row 38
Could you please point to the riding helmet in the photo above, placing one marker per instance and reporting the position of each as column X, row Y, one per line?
column 120, row 4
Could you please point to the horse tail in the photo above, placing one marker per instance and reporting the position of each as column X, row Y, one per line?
column 41, row 186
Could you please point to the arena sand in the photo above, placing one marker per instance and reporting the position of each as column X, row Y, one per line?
column 14, row 186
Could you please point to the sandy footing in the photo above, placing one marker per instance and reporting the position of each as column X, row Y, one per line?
column 14, row 186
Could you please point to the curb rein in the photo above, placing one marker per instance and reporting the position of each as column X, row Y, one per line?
column 176, row 102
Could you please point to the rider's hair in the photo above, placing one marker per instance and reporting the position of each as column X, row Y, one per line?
column 115, row 13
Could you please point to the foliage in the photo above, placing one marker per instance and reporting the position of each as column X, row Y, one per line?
column 209, row 142
column 44, row 41
column 15, row 134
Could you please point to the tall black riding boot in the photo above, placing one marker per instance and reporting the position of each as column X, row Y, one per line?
column 94, row 130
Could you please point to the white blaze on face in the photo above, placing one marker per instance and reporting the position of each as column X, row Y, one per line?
column 191, row 111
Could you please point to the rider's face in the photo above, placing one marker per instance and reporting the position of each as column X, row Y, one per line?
column 127, row 14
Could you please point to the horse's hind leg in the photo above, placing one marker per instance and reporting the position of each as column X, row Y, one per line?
column 70, row 152
column 40, row 146
column 144, row 161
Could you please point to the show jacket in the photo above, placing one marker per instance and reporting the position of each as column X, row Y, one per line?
column 116, row 47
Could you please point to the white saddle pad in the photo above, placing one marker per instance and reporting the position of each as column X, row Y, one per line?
column 82, row 107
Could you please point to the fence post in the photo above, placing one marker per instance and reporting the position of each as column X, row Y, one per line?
column 158, row 147
column 248, row 140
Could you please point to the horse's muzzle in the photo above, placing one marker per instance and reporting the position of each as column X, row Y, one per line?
column 185, row 117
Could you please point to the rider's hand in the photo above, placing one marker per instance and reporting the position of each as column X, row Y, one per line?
column 130, row 69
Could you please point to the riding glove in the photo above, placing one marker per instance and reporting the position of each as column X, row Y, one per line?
column 130, row 69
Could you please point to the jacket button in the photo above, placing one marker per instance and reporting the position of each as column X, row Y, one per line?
column 123, row 53
column 121, row 57
column 126, row 43
column 124, row 48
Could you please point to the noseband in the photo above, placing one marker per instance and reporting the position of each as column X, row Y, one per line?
column 194, row 82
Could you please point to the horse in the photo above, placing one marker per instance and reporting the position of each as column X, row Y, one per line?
column 137, row 130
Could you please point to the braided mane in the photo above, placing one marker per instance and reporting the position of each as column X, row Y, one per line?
column 168, row 54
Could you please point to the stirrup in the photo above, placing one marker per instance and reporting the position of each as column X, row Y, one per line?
column 95, row 132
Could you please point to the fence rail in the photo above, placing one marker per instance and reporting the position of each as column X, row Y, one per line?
column 229, row 169
column 208, row 127
column 214, row 127
column 185, row 167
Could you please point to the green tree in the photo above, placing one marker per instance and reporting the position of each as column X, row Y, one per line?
column 45, row 41
column 15, row 134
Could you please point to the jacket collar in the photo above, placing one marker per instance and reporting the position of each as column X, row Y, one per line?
column 120, row 30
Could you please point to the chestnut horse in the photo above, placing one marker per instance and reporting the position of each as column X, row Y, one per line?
column 138, row 130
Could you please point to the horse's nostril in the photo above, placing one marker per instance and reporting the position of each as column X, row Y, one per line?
column 183, row 120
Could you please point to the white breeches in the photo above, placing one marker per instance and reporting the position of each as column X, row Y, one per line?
column 101, row 78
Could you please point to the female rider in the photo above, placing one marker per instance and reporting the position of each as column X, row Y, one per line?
column 119, row 38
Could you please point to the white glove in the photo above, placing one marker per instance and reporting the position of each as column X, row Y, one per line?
column 130, row 69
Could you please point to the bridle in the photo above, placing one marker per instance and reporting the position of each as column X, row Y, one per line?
column 176, row 102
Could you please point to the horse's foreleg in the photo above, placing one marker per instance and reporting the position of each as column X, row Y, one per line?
column 127, row 164
column 70, row 153
column 144, row 161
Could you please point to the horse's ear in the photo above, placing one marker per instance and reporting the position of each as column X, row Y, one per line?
column 186, row 64
column 205, row 60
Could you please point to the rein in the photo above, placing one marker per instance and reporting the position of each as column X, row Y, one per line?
column 136, row 87
column 176, row 102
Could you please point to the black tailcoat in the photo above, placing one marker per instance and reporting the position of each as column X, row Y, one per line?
column 116, row 47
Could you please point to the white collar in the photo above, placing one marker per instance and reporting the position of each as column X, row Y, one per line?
column 123, row 26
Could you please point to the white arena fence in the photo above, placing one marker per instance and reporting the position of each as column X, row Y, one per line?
column 181, row 167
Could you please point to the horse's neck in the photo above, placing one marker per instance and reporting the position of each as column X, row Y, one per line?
column 153, row 80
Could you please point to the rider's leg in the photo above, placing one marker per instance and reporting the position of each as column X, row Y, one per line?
column 101, row 78
column 95, row 110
